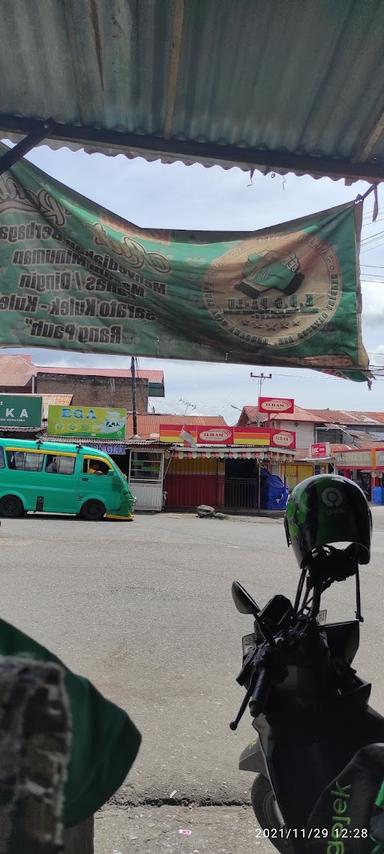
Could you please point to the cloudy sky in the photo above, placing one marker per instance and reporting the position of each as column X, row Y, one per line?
column 178, row 196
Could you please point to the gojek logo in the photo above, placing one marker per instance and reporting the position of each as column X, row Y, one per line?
column 332, row 497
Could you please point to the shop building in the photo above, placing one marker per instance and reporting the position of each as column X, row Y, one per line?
column 223, row 467
column 86, row 386
column 227, row 478
column 149, row 459
column 301, row 421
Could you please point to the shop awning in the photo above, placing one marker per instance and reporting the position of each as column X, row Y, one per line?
column 230, row 452
column 112, row 448
column 278, row 86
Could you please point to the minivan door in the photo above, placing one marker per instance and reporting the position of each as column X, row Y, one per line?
column 102, row 481
column 62, row 492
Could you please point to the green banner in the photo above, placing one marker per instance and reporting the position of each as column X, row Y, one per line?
column 20, row 410
column 87, row 422
column 77, row 277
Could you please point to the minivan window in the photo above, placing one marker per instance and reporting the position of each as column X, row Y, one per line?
column 24, row 461
column 93, row 466
column 2, row 460
column 60, row 465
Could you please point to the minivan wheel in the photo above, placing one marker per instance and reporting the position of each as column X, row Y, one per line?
column 92, row 510
column 11, row 507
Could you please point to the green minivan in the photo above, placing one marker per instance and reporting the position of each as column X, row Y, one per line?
column 54, row 477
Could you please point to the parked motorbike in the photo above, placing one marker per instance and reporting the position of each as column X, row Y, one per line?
column 308, row 704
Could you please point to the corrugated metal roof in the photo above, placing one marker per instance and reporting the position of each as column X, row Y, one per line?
column 318, row 416
column 250, row 414
column 16, row 371
column 289, row 85
column 148, row 425
column 151, row 376
column 54, row 400
column 19, row 370
column 346, row 417
column 155, row 379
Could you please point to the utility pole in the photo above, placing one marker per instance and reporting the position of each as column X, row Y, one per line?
column 133, row 387
column 261, row 378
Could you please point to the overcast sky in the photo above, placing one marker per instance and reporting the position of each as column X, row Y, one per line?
column 178, row 196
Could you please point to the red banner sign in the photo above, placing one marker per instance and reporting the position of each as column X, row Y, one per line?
column 276, row 404
column 188, row 434
column 320, row 449
column 215, row 435
column 283, row 439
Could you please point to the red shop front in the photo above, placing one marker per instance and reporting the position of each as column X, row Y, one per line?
column 227, row 478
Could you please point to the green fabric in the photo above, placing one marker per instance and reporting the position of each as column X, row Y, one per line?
column 76, row 276
column 105, row 742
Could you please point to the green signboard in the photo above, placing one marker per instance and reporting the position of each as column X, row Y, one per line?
column 20, row 410
column 87, row 422
column 77, row 277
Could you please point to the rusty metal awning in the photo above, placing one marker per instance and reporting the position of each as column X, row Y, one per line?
column 278, row 86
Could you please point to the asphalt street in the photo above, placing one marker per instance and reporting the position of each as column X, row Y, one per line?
column 144, row 610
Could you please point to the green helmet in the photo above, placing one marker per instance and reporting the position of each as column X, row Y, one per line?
column 328, row 509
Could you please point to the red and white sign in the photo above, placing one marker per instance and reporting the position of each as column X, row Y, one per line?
column 215, row 435
column 276, row 404
column 320, row 449
column 283, row 439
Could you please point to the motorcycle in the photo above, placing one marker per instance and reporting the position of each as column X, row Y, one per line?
column 309, row 708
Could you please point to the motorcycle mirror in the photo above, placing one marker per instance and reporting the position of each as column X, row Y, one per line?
column 243, row 601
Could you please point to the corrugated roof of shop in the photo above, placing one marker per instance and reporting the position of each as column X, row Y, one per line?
column 154, row 376
column 299, row 414
column 354, row 416
column 145, row 444
column 287, row 85
column 54, row 400
column 148, row 424
column 16, row 371
column 155, row 379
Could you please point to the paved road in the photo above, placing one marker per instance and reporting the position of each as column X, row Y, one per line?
column 144, row 610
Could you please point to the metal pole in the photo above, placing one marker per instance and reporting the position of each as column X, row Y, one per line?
column 133, row 386
column 261, row 378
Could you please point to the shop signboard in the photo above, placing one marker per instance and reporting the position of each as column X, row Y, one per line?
column 276, row 404
column 283, row 439
column 255, row 436
column 177, row 433
column 359, row 459
column 215, row 435
column 84, row 422
column 112, row 450
column 379, row 463
column 20, row 410
column 320, row 449
column 220, row 434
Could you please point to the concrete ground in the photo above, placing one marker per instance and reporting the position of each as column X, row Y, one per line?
column 144, row 610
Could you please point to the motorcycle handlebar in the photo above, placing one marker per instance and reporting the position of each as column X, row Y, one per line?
column 260, row 693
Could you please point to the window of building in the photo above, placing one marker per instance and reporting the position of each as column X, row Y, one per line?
column 145, row 466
